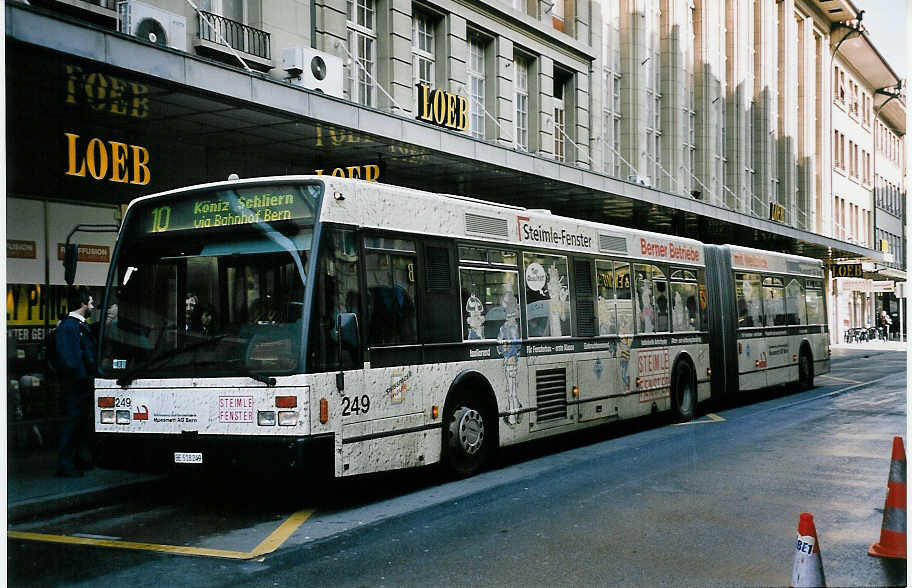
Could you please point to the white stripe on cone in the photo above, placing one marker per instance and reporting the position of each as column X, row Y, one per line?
column 808, row 568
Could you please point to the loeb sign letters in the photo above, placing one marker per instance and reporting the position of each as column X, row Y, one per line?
column 442, row 108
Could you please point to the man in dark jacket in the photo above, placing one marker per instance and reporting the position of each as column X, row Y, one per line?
column 75, row 367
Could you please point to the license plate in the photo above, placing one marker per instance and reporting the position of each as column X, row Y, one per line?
column 180, row 457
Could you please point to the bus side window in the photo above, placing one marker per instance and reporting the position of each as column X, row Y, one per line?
column 685, row 315
column 774, row 302
column 606, row 303
column 547, row 295
column 748, row 293
column 651, row 299
column 813, row 296
column 391, row 310
column 623, row 297
column 794, row 303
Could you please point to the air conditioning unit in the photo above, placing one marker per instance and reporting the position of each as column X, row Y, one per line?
column 314, row 70
column 641, row 180
column 153, row 24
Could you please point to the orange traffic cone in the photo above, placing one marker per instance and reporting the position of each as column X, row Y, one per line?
column 808, row 568
column 893, row 530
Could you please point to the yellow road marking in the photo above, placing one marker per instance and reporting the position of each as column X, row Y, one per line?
column 175, row 549
column 268, row 545
column 280, row 535
column 713, row 418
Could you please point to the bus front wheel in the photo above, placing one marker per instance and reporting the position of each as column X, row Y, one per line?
column 683, row 392
column 468, row 438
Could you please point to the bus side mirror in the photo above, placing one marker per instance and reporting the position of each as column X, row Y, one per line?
column 347, row 326
column 70, row 257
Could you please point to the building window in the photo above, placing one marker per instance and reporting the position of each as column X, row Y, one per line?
column 562, row 105
column 521, row 101
column 476, row 73
column 362, row 44
column 611, row 112
column 560, row 127
column 559, row 14
column 423, row 63
column 653, row 74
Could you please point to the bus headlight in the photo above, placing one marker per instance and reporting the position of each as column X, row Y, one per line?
column 266, row 418
column 123, row 417
column 107, row 417
column 288, row 418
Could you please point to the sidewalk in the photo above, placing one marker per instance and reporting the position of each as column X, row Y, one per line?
column 32, row 489
column 877, row 345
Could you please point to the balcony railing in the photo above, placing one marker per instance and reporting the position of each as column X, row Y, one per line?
column 238, row 35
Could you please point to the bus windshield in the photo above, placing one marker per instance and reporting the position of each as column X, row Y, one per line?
column 210, row 284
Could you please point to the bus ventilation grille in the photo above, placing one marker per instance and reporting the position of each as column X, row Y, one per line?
column 612, row 243
column 486, row 225
column 551, row 394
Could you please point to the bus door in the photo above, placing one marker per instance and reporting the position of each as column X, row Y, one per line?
column 779, row 346
column 753, row 355
column 598, row 376
column 375, row 418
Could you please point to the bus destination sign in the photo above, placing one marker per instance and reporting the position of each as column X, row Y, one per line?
column 223, row 209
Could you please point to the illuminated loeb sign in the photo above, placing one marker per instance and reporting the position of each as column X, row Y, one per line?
column 220, row 209
column 442, row 108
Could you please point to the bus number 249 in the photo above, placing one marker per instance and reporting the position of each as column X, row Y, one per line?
column 355, row 405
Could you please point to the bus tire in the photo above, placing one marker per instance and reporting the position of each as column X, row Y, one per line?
column 805, row 369
column 469, row 435
column 683, row 391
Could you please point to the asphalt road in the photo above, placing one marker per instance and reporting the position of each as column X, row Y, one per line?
column 713, row 503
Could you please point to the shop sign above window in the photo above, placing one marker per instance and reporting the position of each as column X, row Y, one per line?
column 848, row 270
column 442, row 108
column 777, row 212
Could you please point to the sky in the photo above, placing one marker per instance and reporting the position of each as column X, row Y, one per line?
column 886, row 24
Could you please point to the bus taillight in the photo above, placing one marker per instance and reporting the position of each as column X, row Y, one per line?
column 288, row 418
column 324, row 411
column 105, row 402
column 286, row 401
column 107, row 417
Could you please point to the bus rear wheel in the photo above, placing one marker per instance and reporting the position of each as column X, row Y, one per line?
column 683, row 392
column 805, row 370
column 468, row 438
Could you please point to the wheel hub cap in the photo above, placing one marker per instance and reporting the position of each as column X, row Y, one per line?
column 471, row 431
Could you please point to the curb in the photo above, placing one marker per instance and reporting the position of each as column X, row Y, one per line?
column 56, row 504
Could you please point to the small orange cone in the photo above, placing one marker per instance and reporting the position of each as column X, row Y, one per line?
column 808, row 568
column 893, row 530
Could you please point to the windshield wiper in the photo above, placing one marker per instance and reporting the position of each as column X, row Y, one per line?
column 163, row 359
column 268, row 380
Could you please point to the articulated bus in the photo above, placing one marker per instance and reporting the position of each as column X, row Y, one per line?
column 306, row 320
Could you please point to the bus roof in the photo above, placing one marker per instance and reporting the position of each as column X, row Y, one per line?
column 747, row 258
column 394, row 208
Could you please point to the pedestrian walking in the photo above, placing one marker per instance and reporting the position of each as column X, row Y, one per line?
column 885, row 322
column 75, row 362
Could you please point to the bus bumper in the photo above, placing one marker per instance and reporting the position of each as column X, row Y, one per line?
column 157, row 452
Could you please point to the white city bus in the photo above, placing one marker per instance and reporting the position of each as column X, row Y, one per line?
column 287, row 319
